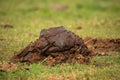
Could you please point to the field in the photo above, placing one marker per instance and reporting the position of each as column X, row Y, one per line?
column 26, row 18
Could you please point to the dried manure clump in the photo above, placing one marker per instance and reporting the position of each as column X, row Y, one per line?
column 55, row 46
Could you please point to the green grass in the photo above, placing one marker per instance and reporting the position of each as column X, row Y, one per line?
column 72, row 72
column 98, row 18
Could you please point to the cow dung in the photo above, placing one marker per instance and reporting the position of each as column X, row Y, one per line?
column 54, row 46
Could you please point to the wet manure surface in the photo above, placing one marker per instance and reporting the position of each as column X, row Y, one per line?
column 55, row 46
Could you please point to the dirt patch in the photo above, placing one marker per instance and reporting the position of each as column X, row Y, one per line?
column 55, row 46
column 102, row 46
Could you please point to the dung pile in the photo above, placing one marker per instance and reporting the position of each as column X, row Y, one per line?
column 55, row 46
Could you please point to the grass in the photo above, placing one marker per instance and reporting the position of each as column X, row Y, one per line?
column 98, row 18
column 71, row 72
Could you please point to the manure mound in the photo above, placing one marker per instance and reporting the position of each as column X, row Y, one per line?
column 55, row 46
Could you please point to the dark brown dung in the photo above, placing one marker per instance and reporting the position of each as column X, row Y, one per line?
column 98, row 45
column 55, row 46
